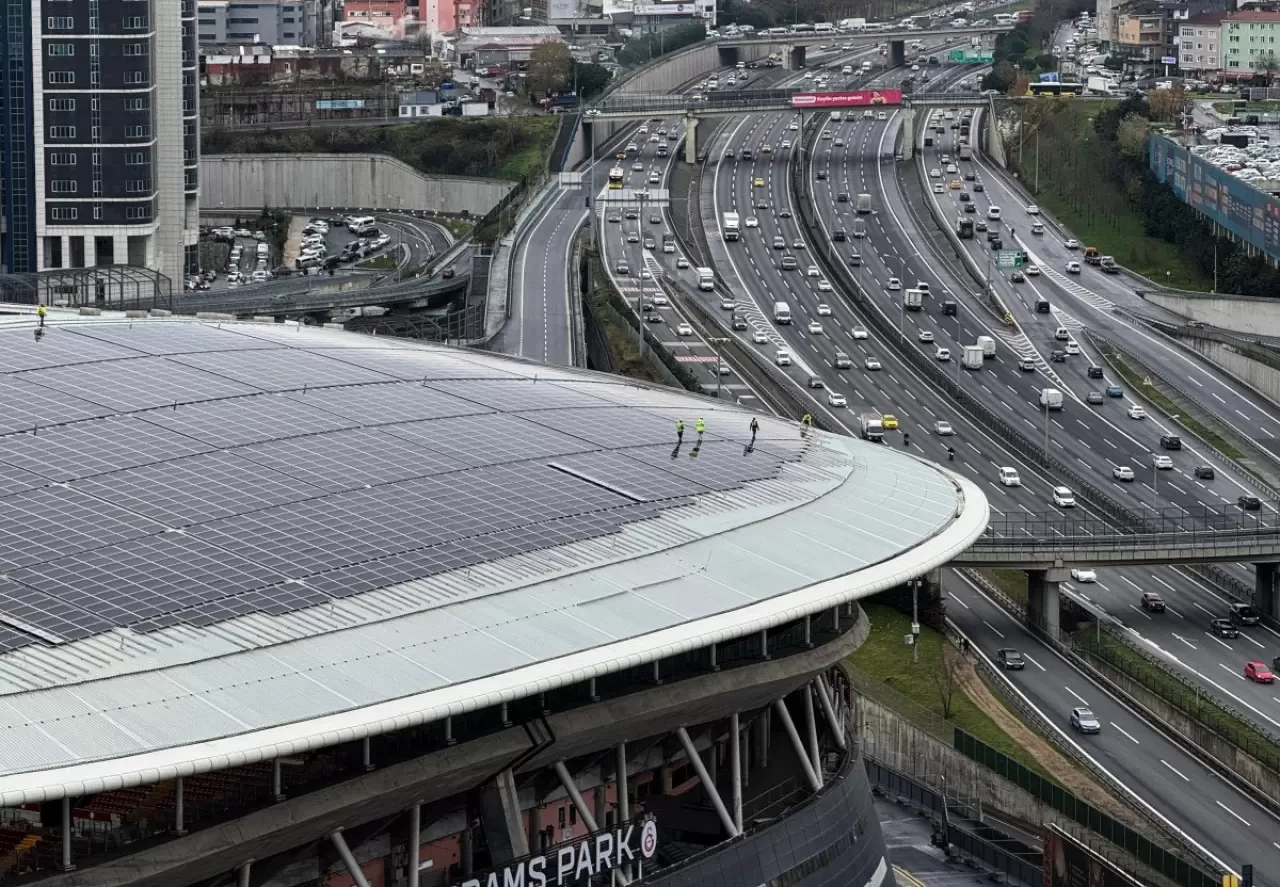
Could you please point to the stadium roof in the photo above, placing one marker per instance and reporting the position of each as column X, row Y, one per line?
column 225, row 543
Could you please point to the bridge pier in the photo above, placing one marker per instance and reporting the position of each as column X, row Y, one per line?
column 1264, row 589
column 897, row 53
column 1043, row 599
column 690, row 139
column 908, row 133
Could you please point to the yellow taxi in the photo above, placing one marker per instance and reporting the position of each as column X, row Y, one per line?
column 766, row 149
column 757, row 182
column 955, row 185
column 889, row 421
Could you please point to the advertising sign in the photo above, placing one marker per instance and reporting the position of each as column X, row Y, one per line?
column 571, row 863
column 822, row 100
column 1068, row 863
column 1250, row 214
column 339, row 104
column 1168, row 60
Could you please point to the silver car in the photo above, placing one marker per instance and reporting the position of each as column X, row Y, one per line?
column 1083, row 720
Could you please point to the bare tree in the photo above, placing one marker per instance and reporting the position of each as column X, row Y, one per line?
column 549, row 64
column 946, row 677
column 1267, row 64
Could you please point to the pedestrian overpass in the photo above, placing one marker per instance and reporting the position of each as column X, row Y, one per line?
column 792, row 46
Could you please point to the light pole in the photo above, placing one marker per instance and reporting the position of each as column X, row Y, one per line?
column 1155, row 478
column 717, row 343
column 1046, row 431
column 915, row 620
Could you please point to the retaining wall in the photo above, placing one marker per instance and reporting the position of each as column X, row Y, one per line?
column 1241, row 314
column 1251, row 372
column 354, row 181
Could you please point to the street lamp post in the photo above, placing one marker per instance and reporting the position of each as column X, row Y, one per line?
column 717, row 344
column 1046, row 431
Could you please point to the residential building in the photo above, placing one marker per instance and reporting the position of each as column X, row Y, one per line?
column 1200, row 45
column 273, row 22
column 1105, row 16
column 1251, row 43
column 1140, row 36
column 100, row 135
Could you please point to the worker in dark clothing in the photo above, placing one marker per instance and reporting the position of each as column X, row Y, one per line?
column 679, row 430
column 755, row 428
column 951, row 454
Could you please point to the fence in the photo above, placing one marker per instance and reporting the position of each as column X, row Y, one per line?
column 1145, row 851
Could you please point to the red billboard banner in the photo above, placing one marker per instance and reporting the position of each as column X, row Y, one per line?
column 846, row 99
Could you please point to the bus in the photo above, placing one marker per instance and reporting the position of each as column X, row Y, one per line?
column 1067, row 89
column 616, row 177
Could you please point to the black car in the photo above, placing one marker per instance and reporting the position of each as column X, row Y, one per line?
column 1204, row 472
column 970, row 208
column 855, row 260
column 980, row 225
column 1249, row 503
column 842, row 197
column 992, row 234
column 822, row 175
column 1170, row 442
column 839, row 235
column 747, row 155
column 970, row 176
column 1095, row 372
column 978, row 186
column 1042, row 306
column 1010, row 659
column 948, row 308
column 996, row 244
column 728, row 154
column 1223, row 628
column 1058, row 357
column 1243, row 614
column 964, row 197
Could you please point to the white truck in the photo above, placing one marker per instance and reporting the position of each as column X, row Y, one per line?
column 730, row 227
column 965, row 151
column 988, row 346
column 972, row 357
column 872, row 428
column 1051, row 399
column 864, row 204
column 781, row 312
column 706, row 279
column 913, row 299
column 1099, row 86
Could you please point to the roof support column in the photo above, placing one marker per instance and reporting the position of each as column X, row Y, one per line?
column 65, row 864
column 179, row 807
column 243, row 872
column 571, row 789
column 824, row 699
column 500, row 818
column 811, row 724
column 908, row 132
column 735, row 767
column 277, row 779
column 710, row 787
column 415, row 843
column 780, row 706
column 620, row 773
column 366, row 753
column 1264, row 589
column 348, row 859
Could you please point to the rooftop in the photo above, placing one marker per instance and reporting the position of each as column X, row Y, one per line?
column 218, row 541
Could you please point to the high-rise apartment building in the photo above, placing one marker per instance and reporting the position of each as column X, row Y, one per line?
column 273, row 22
column 99, row 135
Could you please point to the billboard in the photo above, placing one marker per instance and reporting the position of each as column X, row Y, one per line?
column 821, row 100
column 1068, row 863
column 1250, row 214
column 339, row 104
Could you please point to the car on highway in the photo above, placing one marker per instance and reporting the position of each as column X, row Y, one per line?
column 964, row 198
column 942, row 354
column 797, row 244
column 926, row 336
column 615, row 218
column 979, row 187
column 622, row 268
column 789, row 263
column 893, row 285
column 1162, row 462
column 1018, row 277
column 1152, row 602
column 815, row 328
column 1027, row 365
column 786, row 144
column 682, row 262
column 779, row 243
column 826, row 135
column 813, row 271
column 1136, row 412
column 751, row 222
column 871, row 363
column 646, row 274
column 1204, row 472
column 1037, row 228
column 766, row 149
column 1259, row 673
column 1082, row 575
column 889, row 422
column 842, row 361
column 1010, row 659
column 1083, row 721
column 1033, row 210
column 943, row 428
column 633, row 237
column 842, row 197
column 757, row 182
column 760, row 337
column 935, row 173
column 938, row 189
column 1009, row 477
column 1072, row 347
column 728, row 304
column 654, row 318
column 838, row 143
column 1223, row 628
column 855, row 259
column 633, row 214
column 784, row 214
column 1244, row 614
column 836, row 399
column 684, row 330
column 1063, row 497
column 970, row 176
column 782, row 357
column 956, row 185
column 1115, row 391
column 655, row 178
column 824, row 310
column 951, row 169
column 1248, row 503
column 822, row 175
column 860, row 332
column 1031, row 270
column 660, row 300
column 1122, row 473
column 637, row 167
column 655, row 219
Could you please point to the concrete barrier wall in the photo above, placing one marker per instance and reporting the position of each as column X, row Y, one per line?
column 356, row 181
column 1240, row 314
column 1257, row 375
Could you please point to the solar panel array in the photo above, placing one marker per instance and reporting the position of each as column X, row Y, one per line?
column 179, row 473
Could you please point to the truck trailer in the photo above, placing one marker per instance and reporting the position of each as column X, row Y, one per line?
column 972, row 357
column 872, row 428
column 730, row 226
column 706, row 279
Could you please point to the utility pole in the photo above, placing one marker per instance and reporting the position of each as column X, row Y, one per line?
column 915, row 621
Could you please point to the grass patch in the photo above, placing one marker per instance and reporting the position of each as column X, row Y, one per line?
column 886, row 661
column 459, row 228
column 1012, row 582
column 1203, row 708
column 529, row 160
column 1162, row 402
column 384, row 262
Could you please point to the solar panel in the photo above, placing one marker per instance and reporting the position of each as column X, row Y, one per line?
column 24, row 406
column 517, row 395
column 312, row 338
column 28, row 606
column 54, row 522
column 173, row 337
column 621, row 474
column 15, row 480
column 385, row 404
column 13, row 640
column 281, row 369
column 84, row 449
column 136, row 384
column 199, row 489
column 610, row 426
column 346, row 460
column 245, row 420
column 720, row 465
column 416, row 364
column 19, row 350
column 488, row 439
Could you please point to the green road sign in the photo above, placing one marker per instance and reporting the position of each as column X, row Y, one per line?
column 1009, row 258
column 965, row 57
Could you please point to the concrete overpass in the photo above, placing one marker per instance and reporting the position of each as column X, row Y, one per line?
column 792, row 46
column 313, row 295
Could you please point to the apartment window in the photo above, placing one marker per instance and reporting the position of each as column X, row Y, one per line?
column 138, row 103
column 137, row 132
column 60, row 23
column 62, row 186
column 135, row 158
column 64, row 213
column 135, row 22
column 134, row 78
column 137, row 213
column 62, row 78
column 56, row 159
column 62, row 132
column 137, row 186
column 134, row 49
column 62, row 49
column 62, row 104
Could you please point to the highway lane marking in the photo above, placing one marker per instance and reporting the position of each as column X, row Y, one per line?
column 1233, row 813
column 1139, row 611
column 1083, row 701
column 1219, row 640
column 1165, row 584
column 1033, row 662
column 1171, row 767
column 1199, row 605
column 1184, row 640
column 1126, row 735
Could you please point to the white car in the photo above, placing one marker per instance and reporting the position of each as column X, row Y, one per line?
column 684, row 330
column 760, row 337
column 1063, row 497
column 813, row 271
column 943, row 428
column 1080, row 575
column 660, row 300
column 1071, row 243
column 646, row 274
column 893, row 285
column 935, row 173
column 942, row 354
column 824, row 286
column 637, row 167
column 682, row 262
column 1073, row 347
column 1122, row 472
column 951, row 168
column 1137, row 412
column 782, row 358
column 824, row 310
column 815, row 328
column 882, row 116
column 1163, row 462
column 752, row 222
column 926, row 336
column 860, row 332
column 871, row 363
column 1009, row 477
column 938, row 189
column 1031, row 270
column 1073, row 267
column 836, row 399
column 793, row 126
column 1033, row 210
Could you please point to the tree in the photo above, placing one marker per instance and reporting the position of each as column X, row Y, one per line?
column 590, row 78
column 1166, row 104
column 548, row 67
column 1047, row 62
column 1267, row 64
column 1131, row 137
column 946, row 677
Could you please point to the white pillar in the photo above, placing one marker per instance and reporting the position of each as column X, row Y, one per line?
column 571, row 789
column 735, row 765
column 780, row 706
column 366, row 753
column 824, row 698
column 243, row 872
column 277, row 780
column 811, row 724
column 624, row 799
column 179, row 807
column 348, row 859
column 696, row 761
column 65, row 864
column 415, row 842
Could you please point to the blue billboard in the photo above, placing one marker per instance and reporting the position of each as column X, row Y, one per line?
column 1250, row 214
column 339, row 104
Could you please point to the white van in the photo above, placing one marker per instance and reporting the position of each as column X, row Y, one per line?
column 361, row 224
column 993, row 212
column 1009, row 477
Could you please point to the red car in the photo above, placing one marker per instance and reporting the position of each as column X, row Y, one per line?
column 1258, row 671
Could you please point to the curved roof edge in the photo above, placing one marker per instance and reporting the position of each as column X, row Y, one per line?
column 434, row 705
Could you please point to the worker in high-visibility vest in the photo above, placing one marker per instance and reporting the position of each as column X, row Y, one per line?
column 701, row 427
